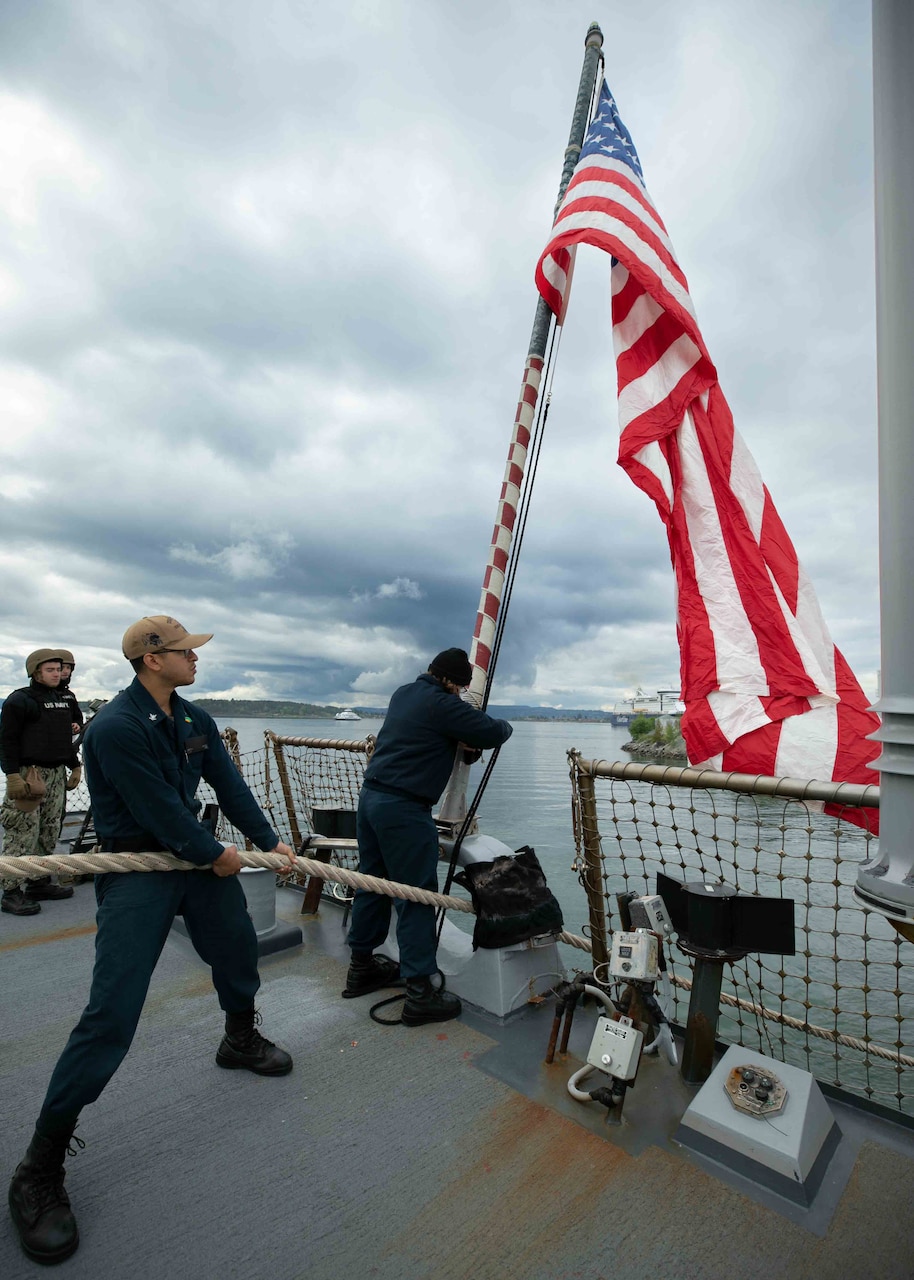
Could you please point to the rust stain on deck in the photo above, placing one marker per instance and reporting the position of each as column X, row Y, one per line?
column 58, row 935
column 526, row 1175
column 533, row 1193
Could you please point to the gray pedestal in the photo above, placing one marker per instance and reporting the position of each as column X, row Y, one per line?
column 500, row 981
column 259, row 887
column 787, row 1152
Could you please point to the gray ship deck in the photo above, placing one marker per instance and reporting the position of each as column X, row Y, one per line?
column 442, row 1151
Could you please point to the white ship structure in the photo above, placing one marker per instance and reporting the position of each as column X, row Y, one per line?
column 665, row 702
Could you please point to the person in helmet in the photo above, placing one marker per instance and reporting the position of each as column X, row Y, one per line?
column 35, row 730
column 67, row 667
column 77, row 723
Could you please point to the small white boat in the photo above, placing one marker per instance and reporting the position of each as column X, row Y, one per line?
column 347, row 715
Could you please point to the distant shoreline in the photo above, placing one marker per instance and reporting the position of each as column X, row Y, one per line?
column 268, row 709
column 256, row 709
column 379, row 715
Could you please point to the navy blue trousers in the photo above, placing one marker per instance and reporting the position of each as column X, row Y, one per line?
column 135, row 913
column 398, row 840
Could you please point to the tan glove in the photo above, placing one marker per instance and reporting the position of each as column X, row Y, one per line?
column 74, row 778
column 16, row 787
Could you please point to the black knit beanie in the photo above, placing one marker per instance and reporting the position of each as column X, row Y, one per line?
column 453, row 665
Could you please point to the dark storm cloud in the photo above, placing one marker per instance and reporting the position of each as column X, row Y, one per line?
column 265, row 292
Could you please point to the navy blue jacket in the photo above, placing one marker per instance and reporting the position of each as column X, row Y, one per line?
column 418, row 739
column 143, row 773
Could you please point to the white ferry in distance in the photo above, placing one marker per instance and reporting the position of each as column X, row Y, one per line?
column 348, row 714
column 666, row 702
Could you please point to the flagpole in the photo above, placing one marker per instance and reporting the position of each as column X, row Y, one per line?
column 453, row 805
column 885, row 882
column 499, row 551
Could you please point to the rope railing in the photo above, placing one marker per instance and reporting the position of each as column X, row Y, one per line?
column 363, row 746
column 850, row 794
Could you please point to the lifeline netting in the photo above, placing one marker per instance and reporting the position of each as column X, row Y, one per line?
column 840, row 1008
column 293, row 779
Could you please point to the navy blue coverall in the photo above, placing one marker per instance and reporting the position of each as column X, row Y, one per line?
column 143, row 769
column 397, row 836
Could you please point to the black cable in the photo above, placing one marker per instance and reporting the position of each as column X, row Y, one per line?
column 386, row 1022
column 523, row 511
column 402, row 995
column 464, row 828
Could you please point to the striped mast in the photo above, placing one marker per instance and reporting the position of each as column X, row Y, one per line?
column 453, row 804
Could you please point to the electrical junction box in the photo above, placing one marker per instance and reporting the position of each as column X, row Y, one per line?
column 755, row 1090
column 635, row 957
column 616, row 1048
column 649, row 912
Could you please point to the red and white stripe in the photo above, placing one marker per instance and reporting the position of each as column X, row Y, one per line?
column 500, row 549
column 765, row 689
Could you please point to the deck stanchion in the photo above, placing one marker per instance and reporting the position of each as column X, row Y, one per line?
column 593, row 861
column 283, row 770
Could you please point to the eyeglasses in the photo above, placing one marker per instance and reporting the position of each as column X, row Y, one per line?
column 185, row 653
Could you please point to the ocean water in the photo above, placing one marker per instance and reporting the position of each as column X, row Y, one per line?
column 528, row 798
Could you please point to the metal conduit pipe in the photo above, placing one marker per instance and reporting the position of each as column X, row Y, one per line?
column 575, row 1079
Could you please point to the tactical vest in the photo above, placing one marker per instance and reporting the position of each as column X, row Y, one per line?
column 47, row 737
column 67, row 694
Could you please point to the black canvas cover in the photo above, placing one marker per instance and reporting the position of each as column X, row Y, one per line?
column 511, row 899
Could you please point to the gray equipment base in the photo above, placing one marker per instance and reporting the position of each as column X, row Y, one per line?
column 280, row 938
column 259, row 887
column 788, row 1153
column 500, row 982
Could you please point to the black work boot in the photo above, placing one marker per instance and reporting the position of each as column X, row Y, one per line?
column 244, row 1046
column 43, row 891
column 38, row 1203
column 368, row 972
column 425, row 1003
column 17, row 904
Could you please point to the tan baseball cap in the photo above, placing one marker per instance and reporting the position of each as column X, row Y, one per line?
column 153, row 634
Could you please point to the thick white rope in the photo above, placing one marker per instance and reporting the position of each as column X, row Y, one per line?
column 101, row 863
column 98, row 863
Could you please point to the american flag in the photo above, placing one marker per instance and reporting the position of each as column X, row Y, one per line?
column 766, row 690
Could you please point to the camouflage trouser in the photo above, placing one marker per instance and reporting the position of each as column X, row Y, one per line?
column 25, row 834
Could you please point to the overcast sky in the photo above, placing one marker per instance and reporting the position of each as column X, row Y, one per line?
column 266, row 288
